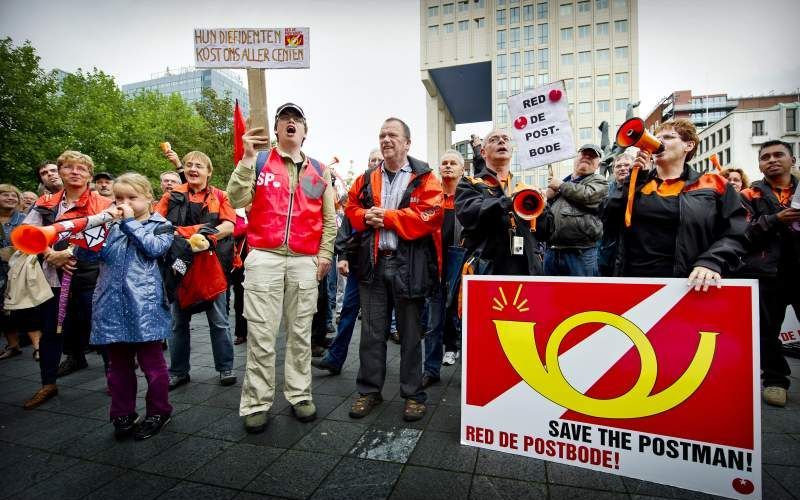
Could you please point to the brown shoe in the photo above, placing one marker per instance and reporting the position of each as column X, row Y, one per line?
column 413, row 411
column 364, row 404
column 42, row 396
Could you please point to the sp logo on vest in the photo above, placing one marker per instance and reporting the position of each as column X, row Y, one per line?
column 265, row 178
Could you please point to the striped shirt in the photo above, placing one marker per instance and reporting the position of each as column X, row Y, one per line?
column 391, row 194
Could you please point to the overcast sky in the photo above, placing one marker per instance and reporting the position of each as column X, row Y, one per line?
column 365, row 54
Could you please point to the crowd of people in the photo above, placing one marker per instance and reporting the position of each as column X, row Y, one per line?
column 293, row 252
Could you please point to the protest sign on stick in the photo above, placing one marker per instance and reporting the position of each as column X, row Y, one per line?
column 643, row 378
column 542, row 131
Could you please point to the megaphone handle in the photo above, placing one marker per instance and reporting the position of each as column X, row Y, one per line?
column 631, row 194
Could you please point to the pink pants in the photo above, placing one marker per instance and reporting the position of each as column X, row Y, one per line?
column 122, row 378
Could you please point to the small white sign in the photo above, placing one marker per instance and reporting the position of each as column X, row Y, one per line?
column 541, row 125
column 268, row 48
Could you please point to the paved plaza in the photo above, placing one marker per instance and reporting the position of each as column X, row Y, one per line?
column 65, row 449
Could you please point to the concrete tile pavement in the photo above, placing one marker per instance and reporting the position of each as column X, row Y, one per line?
column 65, row 448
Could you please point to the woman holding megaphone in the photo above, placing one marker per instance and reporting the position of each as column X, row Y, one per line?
column 670, row 220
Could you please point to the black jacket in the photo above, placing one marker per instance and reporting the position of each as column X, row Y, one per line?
column 485, row 212
column 712, row 225
column 771, row 244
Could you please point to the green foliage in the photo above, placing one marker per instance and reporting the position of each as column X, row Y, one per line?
column 87, row 112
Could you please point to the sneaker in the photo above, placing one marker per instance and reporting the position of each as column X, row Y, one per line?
column 395, row 337
column 227, row 378
column 323, row 364
column 428, row 380
column 151, row 426
column 71, row 365
column 124, row 426
column 176, row 381
column 305, row 411
column 364, row 404
column 47, row 392
column 450, row 358
column 10, row 352
column 413, row 411
column 255, row 422
column 775, row 396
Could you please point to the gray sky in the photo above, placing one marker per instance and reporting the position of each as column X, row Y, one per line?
column 365, row 54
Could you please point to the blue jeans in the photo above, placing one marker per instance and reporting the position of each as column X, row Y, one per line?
column 332, row 280
column 221, row 345
column 571, row 262
column 337, row 352
column 433, row 337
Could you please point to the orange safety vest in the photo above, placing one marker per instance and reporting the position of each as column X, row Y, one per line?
column 280, row 216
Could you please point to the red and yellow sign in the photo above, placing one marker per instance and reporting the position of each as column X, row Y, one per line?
column 637, row 377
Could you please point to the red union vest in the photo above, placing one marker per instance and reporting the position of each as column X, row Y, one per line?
column 279, row 216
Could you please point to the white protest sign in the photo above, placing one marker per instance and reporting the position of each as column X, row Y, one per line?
column 267, row 48
column 541, row 125
column 790, row 330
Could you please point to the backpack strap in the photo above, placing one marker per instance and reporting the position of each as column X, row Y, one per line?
column 316, row 165
column 261, row 160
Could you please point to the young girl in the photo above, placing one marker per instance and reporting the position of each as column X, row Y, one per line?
column 130, row 313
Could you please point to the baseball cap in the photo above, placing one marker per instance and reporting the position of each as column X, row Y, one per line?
column 289, row 105
column 593, row 147
column 102, row 175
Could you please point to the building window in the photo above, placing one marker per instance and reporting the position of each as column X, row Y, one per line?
column 758, row 127
column 565, row 10
column 514, row 38
column 529, row 34
column 542, row 10
column 791, row 120
column 602, row 106
column 448, row 27
column 621, row 105
column 621, row 79
column 501, row 39
column 433, row 11
column 727, row 156
column 585, row 82
column 713, row 140
column 584, row 7
column 585, row 108
column 719, row 136
column 529, row 61
column 501, row 18
column 569, row 84
column 447, row 9
column 727, row 132
column 585, row 133
column 527, row 13
column 621, row 53
column 463, row 6
column 480, row 23
column 502, row 64
column 502, row 88
column 621, row 4
column 621, row 26
column 602, row 81
column 566, row 34
column 516, row 83
column 705, row 144
column 602, row 29
column 600, row 4
column 500, row 3
column 479, row 4
column 515, row 62
column 502, row 113
column 584, row 32
column 514, row 15
column 544, row 33
column 602, row 55
column 567, row 59
column 530, row 82
column 433, row 30
column 585, row 57
column 544, row 79
column 464, row 25
column 544, row 60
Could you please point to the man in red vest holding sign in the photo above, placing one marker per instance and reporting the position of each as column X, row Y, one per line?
column 291, row 230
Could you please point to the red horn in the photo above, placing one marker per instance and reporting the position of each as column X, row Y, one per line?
column 633, row 133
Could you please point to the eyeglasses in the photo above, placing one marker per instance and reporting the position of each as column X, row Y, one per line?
column 497, row 138
column 76, row 167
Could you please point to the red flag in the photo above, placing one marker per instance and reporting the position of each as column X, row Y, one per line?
column 238, row 132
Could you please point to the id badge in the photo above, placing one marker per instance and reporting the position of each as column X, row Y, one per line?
column 517, row 245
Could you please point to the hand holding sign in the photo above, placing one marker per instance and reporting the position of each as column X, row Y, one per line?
column 541, row 125
column 254, row 140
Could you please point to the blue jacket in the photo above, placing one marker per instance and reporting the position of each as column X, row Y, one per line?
column 129, row 303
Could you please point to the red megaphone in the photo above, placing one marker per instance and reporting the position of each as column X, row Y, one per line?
column 528, row 204
column 633, row 133
column 35, row 239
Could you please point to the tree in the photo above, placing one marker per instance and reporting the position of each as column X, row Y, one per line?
column 218, row 133
column 25, row 113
